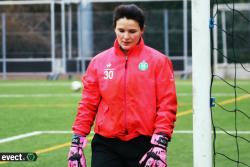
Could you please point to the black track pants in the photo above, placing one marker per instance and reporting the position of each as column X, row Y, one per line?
column 108, row 152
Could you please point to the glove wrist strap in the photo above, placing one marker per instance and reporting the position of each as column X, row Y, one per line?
column 78, row 141
column 159, row 140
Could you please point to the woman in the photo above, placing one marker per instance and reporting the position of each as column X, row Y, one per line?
column 129, row 91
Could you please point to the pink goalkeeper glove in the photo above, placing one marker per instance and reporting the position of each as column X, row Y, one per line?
column 76, row 157
column 156, row 156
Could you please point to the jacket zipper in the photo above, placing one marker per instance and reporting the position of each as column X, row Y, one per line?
column 125, row 94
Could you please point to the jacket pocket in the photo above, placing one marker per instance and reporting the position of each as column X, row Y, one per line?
column 101, row 113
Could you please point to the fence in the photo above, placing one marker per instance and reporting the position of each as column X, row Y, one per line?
column 57, row 37
column 230, row 41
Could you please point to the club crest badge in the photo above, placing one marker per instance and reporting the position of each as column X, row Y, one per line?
column 143, row 66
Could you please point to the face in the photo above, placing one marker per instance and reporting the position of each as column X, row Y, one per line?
column 128, row 33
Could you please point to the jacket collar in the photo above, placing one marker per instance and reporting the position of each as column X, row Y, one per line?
column 133, row 51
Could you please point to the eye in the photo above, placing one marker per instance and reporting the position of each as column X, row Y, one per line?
column 132, row 31
column 121, row 30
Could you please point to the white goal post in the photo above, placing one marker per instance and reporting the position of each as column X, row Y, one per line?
column 201, row 70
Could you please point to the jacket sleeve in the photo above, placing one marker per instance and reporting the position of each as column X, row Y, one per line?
column 166, row 99
column 89, row 102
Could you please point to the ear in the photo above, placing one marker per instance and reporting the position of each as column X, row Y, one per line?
column 143, row 30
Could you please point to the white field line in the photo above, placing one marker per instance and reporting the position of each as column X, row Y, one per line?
column 214, row 94
column 45, row 84
column 25, row 135
column 36, row 133
column 217, row 132
column 187, row 83
column 79, row 94
column 33, row 84
column 38, row 95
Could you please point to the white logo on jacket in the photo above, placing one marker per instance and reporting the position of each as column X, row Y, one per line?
column 108, row 72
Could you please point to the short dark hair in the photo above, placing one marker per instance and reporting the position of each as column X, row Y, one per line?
column 129, row 11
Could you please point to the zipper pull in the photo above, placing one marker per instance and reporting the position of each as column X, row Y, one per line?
column 126, row 62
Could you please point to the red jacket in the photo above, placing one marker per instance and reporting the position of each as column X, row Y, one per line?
column 130, row 94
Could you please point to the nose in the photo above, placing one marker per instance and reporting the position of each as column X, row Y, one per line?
column 126, row 35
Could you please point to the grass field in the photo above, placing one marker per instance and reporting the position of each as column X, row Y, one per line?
column 36, row 116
